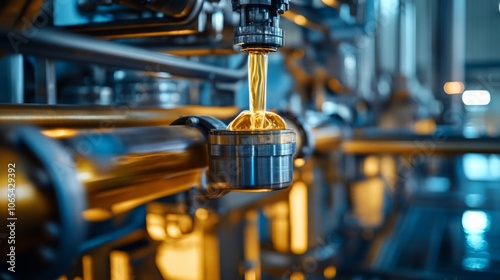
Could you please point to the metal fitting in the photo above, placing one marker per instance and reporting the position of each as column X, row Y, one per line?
column 251, row 160
column 259, row 24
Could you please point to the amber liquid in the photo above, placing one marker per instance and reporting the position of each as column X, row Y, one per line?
column 257, row 118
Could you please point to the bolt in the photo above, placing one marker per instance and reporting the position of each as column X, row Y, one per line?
column 192, row 121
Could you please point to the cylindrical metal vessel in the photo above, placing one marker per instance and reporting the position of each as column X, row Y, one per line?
column 251, row 160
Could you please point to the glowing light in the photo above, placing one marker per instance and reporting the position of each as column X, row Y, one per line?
column 331, row 3
column 97, row 214
column 60, row 133
column 472, row 263
column 297, row 276
column 182, row 259
column 252, row 246
column 368, row 201
column 299, row 162
column 476, row 256
column 300, row 20
column 476, row 97
column 371, row 166
column 201, row 213
column 87, row 267
column 84, row 176
column 425, row 126
column 453, row 87
column 298, row 217
column 330, row 272
column 475, row 222
column 120, row 265
column 335, row 85
column 155, row 225
column 475, row 166
column 280, row 226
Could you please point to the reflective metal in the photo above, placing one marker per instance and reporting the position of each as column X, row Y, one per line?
column 259, row 24
column 62, row 45
column 102, row 117
column 251, row 160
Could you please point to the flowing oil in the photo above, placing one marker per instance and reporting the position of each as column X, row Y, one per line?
column 257, row 118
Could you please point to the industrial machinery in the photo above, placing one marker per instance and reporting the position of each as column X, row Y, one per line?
column 135, row 141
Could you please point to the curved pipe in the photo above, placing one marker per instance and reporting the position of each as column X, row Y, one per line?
column 182, row 17
column 61, row 45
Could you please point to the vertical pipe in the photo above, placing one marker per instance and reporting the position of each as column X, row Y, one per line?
column 45, row 80
column 451, row 28
column 12, row 78
column 407, row 34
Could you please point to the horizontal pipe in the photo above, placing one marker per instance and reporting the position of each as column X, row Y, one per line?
column 424, row 147
column 62, row 45
column 69, row 116
column 127, row 167
column 91, row 176
column 182, row 20
column 118, row 169
column 327, row 139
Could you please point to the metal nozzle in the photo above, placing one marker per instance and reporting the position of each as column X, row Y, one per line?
column 259, row 24
column 251, row 160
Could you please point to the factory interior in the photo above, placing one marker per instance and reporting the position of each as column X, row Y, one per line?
column 249, row 139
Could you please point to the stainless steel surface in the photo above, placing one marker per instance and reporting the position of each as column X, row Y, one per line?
column 251, row 160
column 401, row 142
column 122, row 168
column 102, row 117
column 327, row 139
column 136, row 165
column 259, row 24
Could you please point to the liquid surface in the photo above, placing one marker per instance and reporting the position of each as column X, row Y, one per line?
column 257, row 118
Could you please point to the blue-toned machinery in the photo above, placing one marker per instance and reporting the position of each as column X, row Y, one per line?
column 115, row 160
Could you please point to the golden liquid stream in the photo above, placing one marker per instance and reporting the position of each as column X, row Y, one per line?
column 257, row 118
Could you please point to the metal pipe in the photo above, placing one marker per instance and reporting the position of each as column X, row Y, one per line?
column 182, row 18
column 117, row 169
column 127, row 167
column 97, row 174
column 421, row 145
column 327, row 139
column 61, row 45
column 176, row 9
column 103, row 117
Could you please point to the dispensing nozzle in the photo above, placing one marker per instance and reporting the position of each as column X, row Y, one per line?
column 259, row 24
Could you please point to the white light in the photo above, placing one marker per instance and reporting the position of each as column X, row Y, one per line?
column 475, row 222
column 350, row 62
column 476, row 97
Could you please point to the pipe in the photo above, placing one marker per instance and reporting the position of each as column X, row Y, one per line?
column 61, row 45
column 327, row 139
column 176, row 9
column 98, row 174
column 124, row 168
column 419, row 145
column 182, row 18
column 64, row 116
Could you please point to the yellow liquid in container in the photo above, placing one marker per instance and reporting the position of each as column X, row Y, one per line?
column 257, row 118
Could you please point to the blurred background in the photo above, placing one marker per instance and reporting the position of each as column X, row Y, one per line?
column 107, row 118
